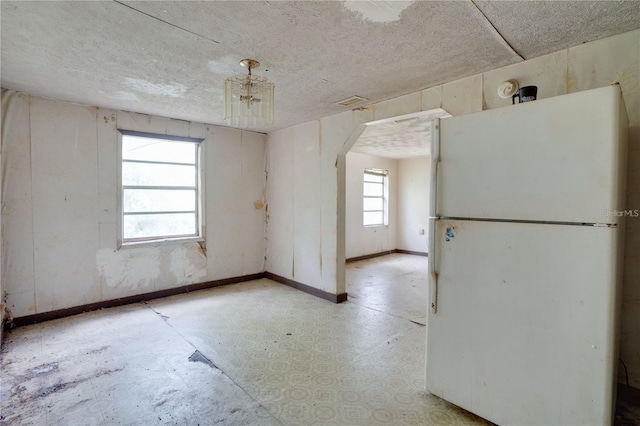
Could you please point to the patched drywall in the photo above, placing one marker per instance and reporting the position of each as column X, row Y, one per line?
column 60, row 246
column 145, row 269
column 128, row 271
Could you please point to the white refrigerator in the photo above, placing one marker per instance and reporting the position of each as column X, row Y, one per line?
column 526, row 244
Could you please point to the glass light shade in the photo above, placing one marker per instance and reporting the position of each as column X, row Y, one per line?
column 248, row 101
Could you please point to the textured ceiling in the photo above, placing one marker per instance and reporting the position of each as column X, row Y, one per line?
column 400, row 137
column 170, row 58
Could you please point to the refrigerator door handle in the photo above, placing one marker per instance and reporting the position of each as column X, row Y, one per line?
column 433, row 209
column 435, row 159
column 433, row 275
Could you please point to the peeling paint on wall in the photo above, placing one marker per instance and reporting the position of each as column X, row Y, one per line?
column 128, row 269
column 144, row 269
column 194, row 264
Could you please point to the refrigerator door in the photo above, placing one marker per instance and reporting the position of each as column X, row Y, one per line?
column 560, row 159
column 525, row 326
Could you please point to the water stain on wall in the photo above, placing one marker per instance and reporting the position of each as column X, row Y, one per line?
column 194, row 264
column 128, row 270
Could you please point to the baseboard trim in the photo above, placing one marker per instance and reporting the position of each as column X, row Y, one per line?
column 335, row 298
column 75, row 310
column 384, row 253
column 61, row 313
column 415, row 253
column 369, row 256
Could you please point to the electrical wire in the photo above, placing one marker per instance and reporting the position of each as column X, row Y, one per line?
column 626, row 373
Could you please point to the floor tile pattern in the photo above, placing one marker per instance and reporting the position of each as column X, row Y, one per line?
column 395, row 284
column 255, row 353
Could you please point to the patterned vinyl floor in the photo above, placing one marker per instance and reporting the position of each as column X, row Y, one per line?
column 256, row 353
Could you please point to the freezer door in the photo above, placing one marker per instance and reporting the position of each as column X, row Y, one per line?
column 525, row 329
column 560, row 159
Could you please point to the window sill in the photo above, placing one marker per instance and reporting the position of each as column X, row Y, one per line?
column 159, row 243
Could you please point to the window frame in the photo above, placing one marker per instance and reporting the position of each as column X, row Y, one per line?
column 384, row 197
column 199, row 188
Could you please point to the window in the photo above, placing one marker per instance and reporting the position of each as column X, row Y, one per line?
column 161, row 180
column 374, row 200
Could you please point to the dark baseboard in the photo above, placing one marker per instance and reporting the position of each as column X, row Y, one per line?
column 335, row 298
column 415, row 253
column 384, row 253
column 61, row 313
column 369, row 256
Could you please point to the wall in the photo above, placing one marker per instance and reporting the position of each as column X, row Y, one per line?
column 303, row 179
column 587, row 66
column 59, row 182
column 299, row 254
column 413, row 204
column 361, row 240
column 408, row 206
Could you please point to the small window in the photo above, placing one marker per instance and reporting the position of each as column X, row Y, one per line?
column 374, row 199
column 161, row 181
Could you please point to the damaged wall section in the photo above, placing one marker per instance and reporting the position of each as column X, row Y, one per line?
column 60, row 189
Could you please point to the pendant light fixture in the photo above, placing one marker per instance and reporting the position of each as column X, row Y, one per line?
column 248, row 99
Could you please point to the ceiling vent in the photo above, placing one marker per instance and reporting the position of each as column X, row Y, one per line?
column 351, row 101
